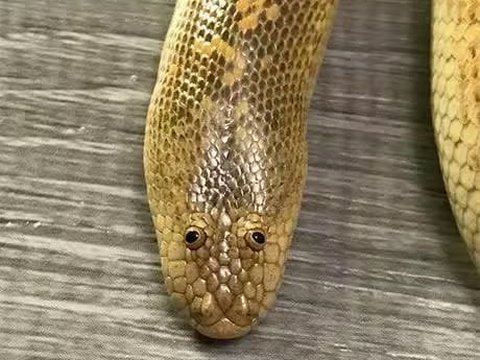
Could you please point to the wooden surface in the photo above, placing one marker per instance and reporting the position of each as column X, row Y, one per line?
column 377, row 271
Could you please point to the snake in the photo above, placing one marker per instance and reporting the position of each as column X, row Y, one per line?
column 455, row 94
column 225, row 150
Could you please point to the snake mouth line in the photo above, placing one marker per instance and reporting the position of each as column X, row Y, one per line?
column 223, row 329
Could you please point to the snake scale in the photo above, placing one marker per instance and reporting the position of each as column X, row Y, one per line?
column 225, row 151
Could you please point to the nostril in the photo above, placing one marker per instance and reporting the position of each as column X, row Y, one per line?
column 209, row 312
column 238, row 312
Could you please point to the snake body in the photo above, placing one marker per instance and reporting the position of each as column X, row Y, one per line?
column 225, row 152
column 456, row 110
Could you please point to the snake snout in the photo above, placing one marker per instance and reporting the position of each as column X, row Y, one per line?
column 223, row 316
column 213, row 321
column 223, row 329
column 224, row 312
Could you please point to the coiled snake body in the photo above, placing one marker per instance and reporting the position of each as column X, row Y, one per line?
column 456, row 110
column 225, row 147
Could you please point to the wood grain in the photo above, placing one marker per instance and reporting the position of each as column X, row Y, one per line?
column 377, row 271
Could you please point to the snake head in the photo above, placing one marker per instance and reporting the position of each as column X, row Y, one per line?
column 222, row 271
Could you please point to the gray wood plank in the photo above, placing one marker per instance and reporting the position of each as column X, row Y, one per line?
column 377, row 271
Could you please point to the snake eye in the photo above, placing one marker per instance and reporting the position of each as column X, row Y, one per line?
column 256, row 239
column 194, row 237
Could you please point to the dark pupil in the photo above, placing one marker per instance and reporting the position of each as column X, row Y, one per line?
column 192, row 236
column 258, row 237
